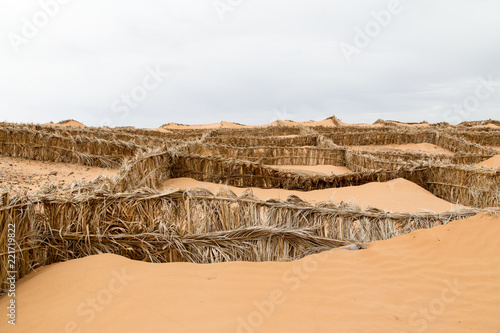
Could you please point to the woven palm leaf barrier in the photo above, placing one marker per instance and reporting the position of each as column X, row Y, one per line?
column 460, row 145
column 274, row 141
column 272, row 155
column 17, row 259
column 455, row 183
column 149, row 169
column 360, row 129
column 471, row 186
column 34, row 145
column 257, row 131
column 393, row 159
column 146, row 138
column 251, row 174
column 192, row 226
column 485, row 137
column 478, row 123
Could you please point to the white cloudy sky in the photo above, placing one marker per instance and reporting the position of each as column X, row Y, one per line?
column 267, row 60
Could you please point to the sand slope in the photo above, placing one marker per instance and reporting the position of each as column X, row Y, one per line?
column 325, row 170
column 423, row 148
column 446, row 279
column 409, row 124
column 398, row 195
column 67, row 123
column 493, row 162
column 28, row 175
column 222, row 124
column 488, row 125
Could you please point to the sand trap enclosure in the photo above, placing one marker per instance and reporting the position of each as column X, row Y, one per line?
column 131, row 215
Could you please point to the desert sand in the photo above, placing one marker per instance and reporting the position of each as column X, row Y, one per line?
column 286, row 136
column 222, row 124
column 398, row 195
column 445, row 279
column 159, row 129
column 66, row 123
column 29, row 175
column 329, row 122
column 408, row 124
column 310, row 123
column 493, row 162
column 489, row 125
column 426, row 148
column 225, row 124
column 325, row 170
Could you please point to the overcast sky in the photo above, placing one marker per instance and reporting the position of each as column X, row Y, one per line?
column 146, row 63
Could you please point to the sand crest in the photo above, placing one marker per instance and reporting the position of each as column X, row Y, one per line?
column 444, row 279
column 425, row 148
column 398, row 195
column 489, row 125
column 159, row 129
column 66, row 123
column 311, row 123
column 224, row 124
column 325, row 170
column 493, row 162
column 423, row 124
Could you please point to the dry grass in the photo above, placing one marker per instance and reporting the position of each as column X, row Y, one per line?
column 127, row 215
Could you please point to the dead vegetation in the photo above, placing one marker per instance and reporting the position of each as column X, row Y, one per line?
column 130, row 216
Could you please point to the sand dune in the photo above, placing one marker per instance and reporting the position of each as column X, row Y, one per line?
column 326, row 170
column 311, row 123
column 182, row 126
column 446, row 279
column 398, row 195
column 488, row 125
column 28, row 175
column 409, row 124
column 426, row 148
column 159, row 129
column 325, row 123
column 225, row 124
column 493, row 162
column 67, row 123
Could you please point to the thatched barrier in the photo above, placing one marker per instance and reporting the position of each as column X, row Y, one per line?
column 272, row 141
column 192, row 226
column 250, row 174
column 104, row 133
column 257, row 131
column 35, row 145
column 148, row 169
column 19, row 257
column 272, row 155
column 403, row 157
column 376, row 137
column 471, row 186
column 484, row 137
column 460, row 145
